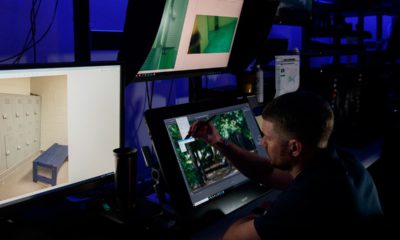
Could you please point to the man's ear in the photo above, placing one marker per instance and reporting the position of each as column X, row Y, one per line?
column 295, row 147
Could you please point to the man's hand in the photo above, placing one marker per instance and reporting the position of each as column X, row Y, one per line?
column 206, row 131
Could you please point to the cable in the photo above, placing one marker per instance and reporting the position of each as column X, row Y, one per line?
column 33, row 44
column 170, row 91
column 26, row 42
column 147, row 93
column 140, row 122
column 34, row 12
column 32, row 31
column 152, row 95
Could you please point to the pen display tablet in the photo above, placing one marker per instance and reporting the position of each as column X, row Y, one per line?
column 197, row 176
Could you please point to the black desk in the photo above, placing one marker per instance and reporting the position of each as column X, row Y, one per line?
column 94, row 216
column 217, row 229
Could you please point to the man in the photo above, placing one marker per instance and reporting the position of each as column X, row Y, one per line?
column 323, row 190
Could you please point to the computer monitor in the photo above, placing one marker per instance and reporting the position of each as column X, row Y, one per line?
column 193, row 34
column 180, row 37
column 198, row 177
column 69, row 115
column 192, row 38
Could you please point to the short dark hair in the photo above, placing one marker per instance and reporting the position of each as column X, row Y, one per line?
column 303, row 115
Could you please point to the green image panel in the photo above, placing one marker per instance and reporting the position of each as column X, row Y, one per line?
column 165, row 47
column 203, row 164
column 212, row 34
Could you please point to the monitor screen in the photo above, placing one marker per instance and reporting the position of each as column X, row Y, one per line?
column 189, row 38
column 193, row 34
column 59, row 125
column 197, row 174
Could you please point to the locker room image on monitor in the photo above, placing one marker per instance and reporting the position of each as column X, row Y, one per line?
column 59, row 126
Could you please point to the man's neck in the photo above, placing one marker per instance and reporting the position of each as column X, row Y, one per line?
column 305, row 159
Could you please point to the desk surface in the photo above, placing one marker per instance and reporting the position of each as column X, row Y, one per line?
column 217, row 229
column 92, row 212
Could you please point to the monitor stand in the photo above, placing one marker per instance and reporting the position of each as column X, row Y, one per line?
column 198, row 93
column 216, row 210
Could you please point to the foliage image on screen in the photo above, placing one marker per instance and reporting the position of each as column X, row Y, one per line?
column 212, row 34
column 203, row 164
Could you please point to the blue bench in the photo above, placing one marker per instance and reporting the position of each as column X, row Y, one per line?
column 52, row 159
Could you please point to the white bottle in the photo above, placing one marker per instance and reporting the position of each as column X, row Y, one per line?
column 259, row 84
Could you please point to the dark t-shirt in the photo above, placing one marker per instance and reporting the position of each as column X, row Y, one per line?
column 332, row 194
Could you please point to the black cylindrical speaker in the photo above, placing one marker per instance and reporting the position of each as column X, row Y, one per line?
column 125, row 178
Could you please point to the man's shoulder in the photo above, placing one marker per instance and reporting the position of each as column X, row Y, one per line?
column 361, row 185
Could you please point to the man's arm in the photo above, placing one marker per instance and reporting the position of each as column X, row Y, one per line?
column 248, row 163
column 254, row 166
column 242, row 229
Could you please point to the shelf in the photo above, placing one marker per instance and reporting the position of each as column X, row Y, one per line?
column 313, row 49
column 350, row 8
column 343, row 34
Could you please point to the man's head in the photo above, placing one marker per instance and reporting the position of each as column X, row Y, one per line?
column 302, row 115
column 298, row 117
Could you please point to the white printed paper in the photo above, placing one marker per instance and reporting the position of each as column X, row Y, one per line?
column 287, row 74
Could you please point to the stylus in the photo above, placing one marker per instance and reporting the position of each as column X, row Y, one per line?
column 207, row 121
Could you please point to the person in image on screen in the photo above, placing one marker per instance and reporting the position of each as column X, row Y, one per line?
column 323, row 188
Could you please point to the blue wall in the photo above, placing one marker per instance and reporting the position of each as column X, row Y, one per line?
column 56, row 46
column 166, row 93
